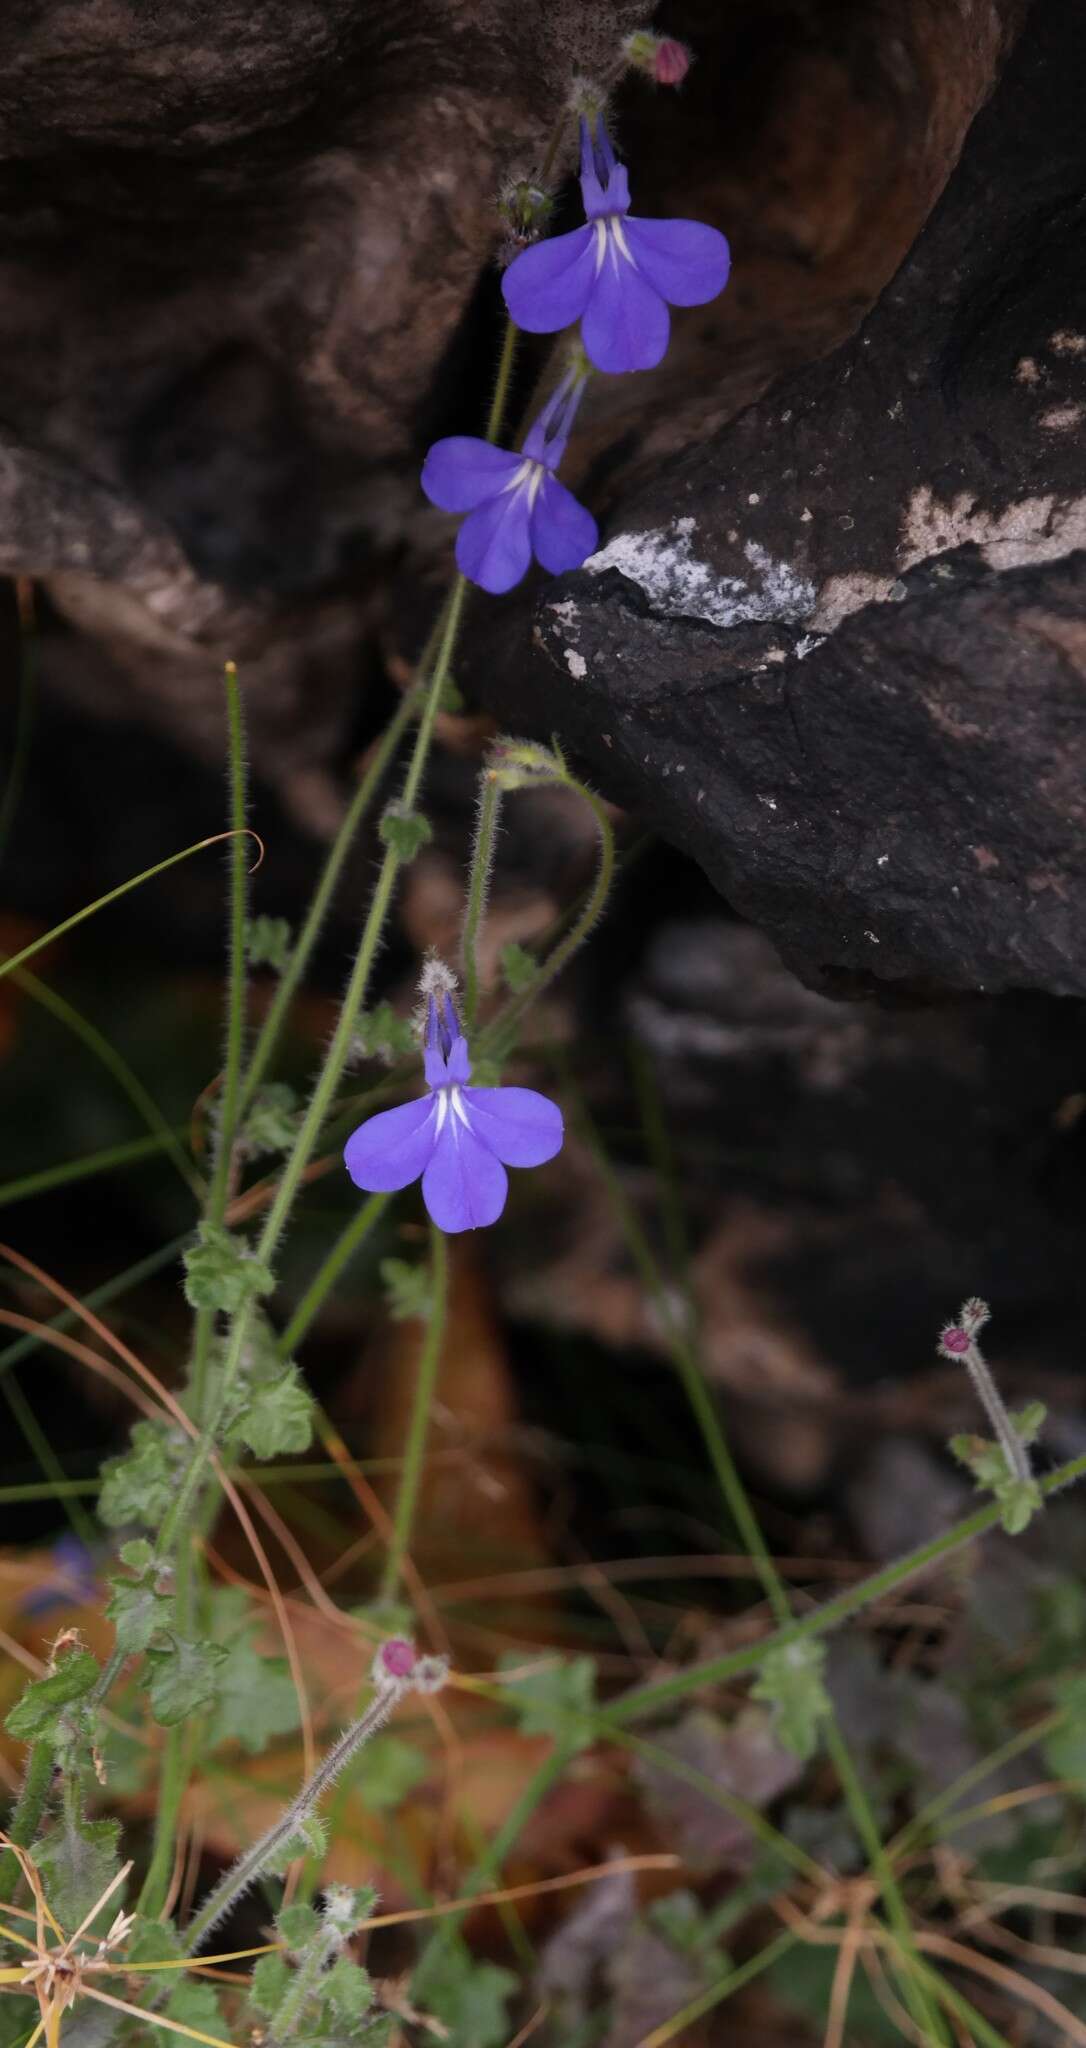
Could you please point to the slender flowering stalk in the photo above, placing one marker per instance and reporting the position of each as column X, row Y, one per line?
column 958, row 1342
column 515, row 505
column 459, row 1139
column 396, row 1671
column 617, row 275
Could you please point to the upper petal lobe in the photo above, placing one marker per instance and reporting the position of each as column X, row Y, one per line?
column 626, row 322
column 520, row 1126
column 563, row 533
column 465, row 1185
column 390, row 1150
column 684, row 260
column 492, row 547
column 462, row 472
column 547, row 287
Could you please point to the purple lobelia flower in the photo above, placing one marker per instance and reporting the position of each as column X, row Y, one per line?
column 617, row 275
column 515, row 505
column 459, row 1139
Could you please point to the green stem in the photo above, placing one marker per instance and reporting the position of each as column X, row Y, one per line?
column 696, row 1387
column 80, row 1169
column 725, row 1987
column 501, row 382
column 1022, row 1739
column 324, row 1279
column 482, row 863
column 26, row 1819
column 82, row 1523
column 418, row 1429
column 499, row 1031
column 715, row 1671
column 174, row 1773
column 111, row 896
column 302, row 950
column 914, row 1987
column 122, row 1283
column 230, row 1097
column 103, row 1050
column 320, row 1101
column 260, row 1854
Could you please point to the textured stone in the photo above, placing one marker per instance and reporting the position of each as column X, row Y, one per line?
column 837, row 649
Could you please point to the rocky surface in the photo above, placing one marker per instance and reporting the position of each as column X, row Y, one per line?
column 247, row 272
column 836, row 650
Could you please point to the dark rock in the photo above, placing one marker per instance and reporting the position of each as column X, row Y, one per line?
column 837, row 649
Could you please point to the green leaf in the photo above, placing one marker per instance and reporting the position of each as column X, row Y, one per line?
column 137, row 1554
column 1019, row 1499
column 277, row 1419
column 791, row 1683
column 386, row 1771
column 347, row 1989
column 268, row 1984
column 310, row 1839
column 255, row 1696
column 470, row 1998
column 184, row 1677
column 18, row 2019
column 298, row 1926
column 267, row 943
column 75, row 1865
column 405, row 832
column 221, row 1271
column 271, row 1124
column 559, row 1700
column 383, row 1034
column 154, row 1941
column 407, row 1290
column 193, row 2003
column 35, row 1713
column 138, row 1612
column 519, row 969
column 140, row 1484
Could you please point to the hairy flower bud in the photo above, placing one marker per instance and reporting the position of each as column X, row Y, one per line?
column 662, row 58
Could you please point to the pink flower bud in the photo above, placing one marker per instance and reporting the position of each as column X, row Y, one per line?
column 397, row 1657
column 661, row 58
column 954, row 1342
column 672, row 62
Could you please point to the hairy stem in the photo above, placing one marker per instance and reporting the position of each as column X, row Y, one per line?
column 256, row 1859
column 482, row 863
column 992, row 1402
column 328, row 1272
column 26, row 1818
column 218, row 1190
column 302, row 949
column 418, row 1429
column 665, row 1692
column 499, row 1032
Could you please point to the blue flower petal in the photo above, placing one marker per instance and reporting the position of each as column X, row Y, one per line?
column 492, row 546
column 520, row 1126
column 462, row 472
column 563, row 533
column 465, row 1185
column 547, row 287
column 684, row 260
column 459, row 1059
column 389, row 1151
column 626, row 323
